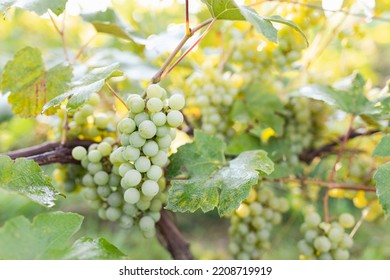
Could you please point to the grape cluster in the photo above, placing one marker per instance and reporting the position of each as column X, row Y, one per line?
column 325, row 241
column 88, row 124
column 125, row 181
column 252, row 224
column 212, row 94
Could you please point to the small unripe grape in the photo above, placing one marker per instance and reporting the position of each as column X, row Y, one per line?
column 322, row 244
column 124, row 167
column 159, row 118
column 130, row 153
column 160, row 159
column 154, row 173
column 115, row 199
column 150, row 188
column 146, row 223
column 176, row 102
column 147, row 129
column 142, row 164
column 164, row 142
column 136, row 104
column 132, row 196
column 94, row 156
column 139, row 118
column 126, row 221
column 104, row 191
column 243, row 211
column 104, row 148
column 101, row 178
column 154, row 105
column 155, row 90
column 346, row 220
column 126, row 125
column 113, row 214
column 131, row 179
column 175, row 118
column 162, row 131
column 101, row 120
column 79, row 152
column 312, row 219
column 150, row 148
column 136, row 140
column 94, row 99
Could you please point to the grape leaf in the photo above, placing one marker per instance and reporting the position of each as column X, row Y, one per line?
column 26, row 177
column 347, row 95
column 224, row 9
column 87, row 248
column 241, row 143
column 290, row 23
column 382, row 180
column 383, row 147
column 30, row 84
column 81, row 89
column 211, row 182
column 41, row 239
column 111, row 23
column 261, row 24
column 38, row 6
column 198, row 159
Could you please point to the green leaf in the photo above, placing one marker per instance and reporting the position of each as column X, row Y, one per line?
column 42, row 239
column 30, row 84
column 253, row 160
column 261, row 24
column 198, row 159
column 26, row 177
column 209, row 181
column 111, row 23
column 382, row 179
column 87, row 248
column 80, row 90
column 38, row 6
column 347, row 95
column 289, row 23
column 383, row 147
column 224, row 9
column 241, row 143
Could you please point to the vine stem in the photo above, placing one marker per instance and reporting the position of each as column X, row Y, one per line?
column 334, row 168
column 116, row 94
column 329, row 185
column 62, row 33
column 188, row 29
column 158, row 76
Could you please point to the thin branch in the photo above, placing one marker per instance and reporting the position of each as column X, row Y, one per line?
column 83, row 47
column 158, row 76
column 188, row 50
column 61, row 32
column 50, row 152
column 329, row 185
column 172, row 238
column 116, row 94
column 308, row 156
column 188, row 29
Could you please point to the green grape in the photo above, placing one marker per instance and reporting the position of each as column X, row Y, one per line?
column 150, row 148
column 79, row 152
column 155, row 90
column 154, row 173
column 94, row 156
column 150, row 188
column 139, row 118
column 94, row 167
column 136, row 104
column 101, row 120
column 113, row 214
column 162, row 131
column 313, row 219
column 147, row 129
column 124, row 167
column 142, row 164
column 126, row 221
column 146, row 223
column 346, row 220
column 154, row 105
column 159, row 118
column 126, row 125
column 160, row 159
column 164, row 142
column 101, row 178
column 104, row 148
column 115, row 199
column 176, row 102
column 322, row 244
column 130, row 153
column 103, row 191
column 131, row 179
column 136, row 140
column 132, row 196
column 175, row 118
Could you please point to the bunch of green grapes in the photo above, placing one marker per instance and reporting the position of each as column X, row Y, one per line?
column 89, row 124
column 325, row 241
column 126, row 181
column 211, row 95
column 252, row 224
